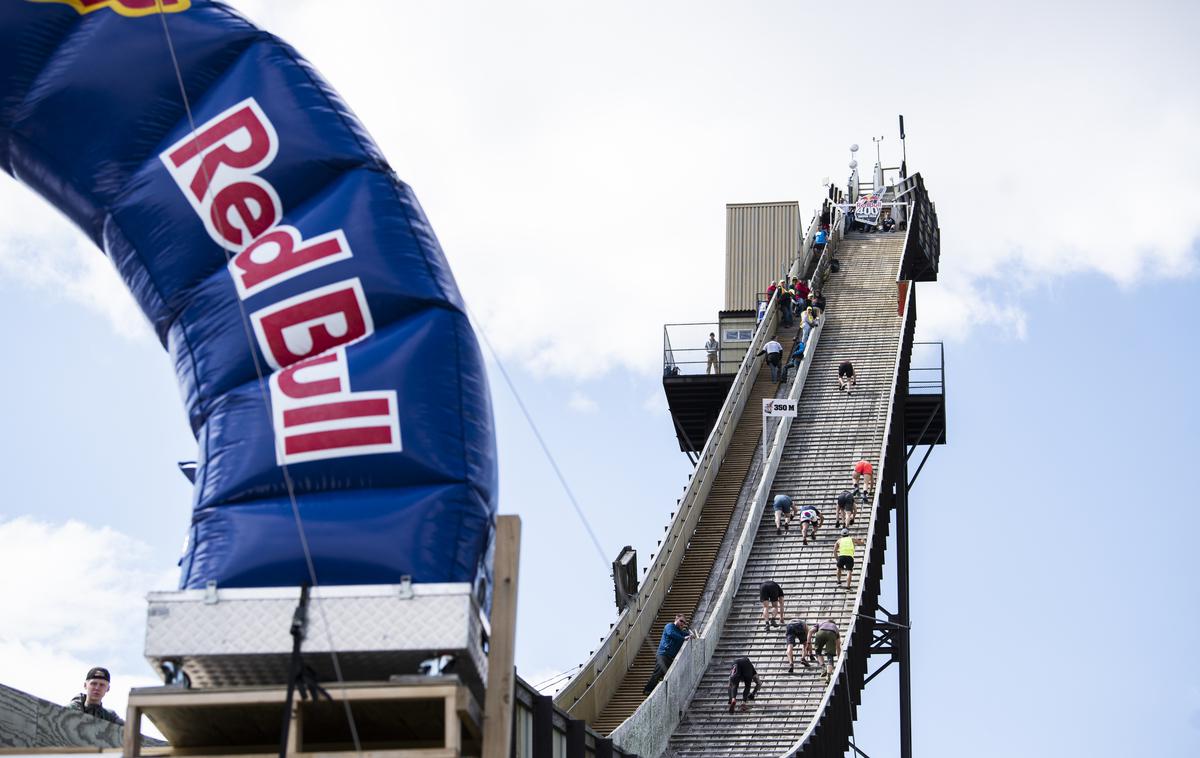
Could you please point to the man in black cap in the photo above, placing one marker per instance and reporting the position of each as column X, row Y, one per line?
column 95, row 687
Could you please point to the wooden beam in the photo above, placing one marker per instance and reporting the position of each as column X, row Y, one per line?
column 498, row 701
column 133, row 730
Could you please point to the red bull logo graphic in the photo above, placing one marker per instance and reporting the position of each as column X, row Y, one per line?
column 303, row 337
column 316, row 416
column 125, row 7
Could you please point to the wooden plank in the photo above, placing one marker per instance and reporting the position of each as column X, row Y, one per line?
column 261, row 696
column 18, row 718
column 498, row 701
column 27, row 721
column 132, row 744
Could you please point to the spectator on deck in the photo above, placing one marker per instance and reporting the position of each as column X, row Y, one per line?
column 742, row 671
column 808, row 322
column 774, row 353
column 821, row 239
column 846, row 378
column 95, row 687
column 711, row 348
column 889, row 223
column 802, row 292
column 843, row 550
column 673, row 637
column 786, row 297
column 770, row 594
column 818, row 303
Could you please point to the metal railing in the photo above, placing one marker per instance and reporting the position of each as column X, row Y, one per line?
column 928, row 378
column 692, row 361
column 590, row 690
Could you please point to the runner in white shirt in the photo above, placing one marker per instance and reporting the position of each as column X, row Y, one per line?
column 774, row 353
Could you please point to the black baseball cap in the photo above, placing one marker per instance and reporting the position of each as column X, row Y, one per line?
column 98, row 672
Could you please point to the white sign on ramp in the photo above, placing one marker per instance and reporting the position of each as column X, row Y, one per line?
column 773, row 408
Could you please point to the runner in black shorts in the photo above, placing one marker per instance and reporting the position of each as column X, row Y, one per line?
column 742, row 672
column 846, row 378
column 845, row 509
column 771, row 594
column 797, row 633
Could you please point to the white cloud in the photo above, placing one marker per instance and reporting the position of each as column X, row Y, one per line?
column 41, row 250
column 581, row 403
column 576, row 163
column 74, row 598
column 655, row 402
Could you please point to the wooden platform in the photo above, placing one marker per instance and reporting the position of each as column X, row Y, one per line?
column 409, row 717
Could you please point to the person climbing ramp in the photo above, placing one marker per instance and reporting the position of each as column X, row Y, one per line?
column 845, row 509
column 826, row 642
column 742, row 672
column 770, row 594
column 784, row 512
column 810, row 521
column 846, row 378
column 774, row 353
column 843, row 551
column 864, row 479
column 798, row 634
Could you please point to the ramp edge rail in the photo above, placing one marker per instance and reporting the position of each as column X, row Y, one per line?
column 591, row 689
column 840, row 677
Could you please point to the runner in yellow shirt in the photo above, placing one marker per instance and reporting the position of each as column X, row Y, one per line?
column 843, row 550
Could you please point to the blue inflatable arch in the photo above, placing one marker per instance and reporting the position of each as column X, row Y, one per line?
column 328, row 367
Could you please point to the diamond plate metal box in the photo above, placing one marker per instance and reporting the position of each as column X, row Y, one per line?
column 240, row 637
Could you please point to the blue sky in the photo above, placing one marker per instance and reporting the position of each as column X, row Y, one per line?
column 568, row 154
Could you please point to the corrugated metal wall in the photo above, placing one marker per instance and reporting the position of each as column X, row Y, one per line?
column 761, row 241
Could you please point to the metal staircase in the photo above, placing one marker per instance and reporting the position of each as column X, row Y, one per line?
column 832, row 430
column 702, row 547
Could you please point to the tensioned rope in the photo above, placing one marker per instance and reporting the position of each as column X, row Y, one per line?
column 557, row 678
column 262, row 388
column 545, row 448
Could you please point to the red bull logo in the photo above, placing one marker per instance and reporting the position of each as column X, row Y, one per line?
column 303, row 337
column 125, row 7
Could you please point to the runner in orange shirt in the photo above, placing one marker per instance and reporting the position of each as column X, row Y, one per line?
column 864, row 473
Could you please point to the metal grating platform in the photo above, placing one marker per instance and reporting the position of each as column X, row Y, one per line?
column 240, row 637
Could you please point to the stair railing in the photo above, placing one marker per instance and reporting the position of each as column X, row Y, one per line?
column 591, row 689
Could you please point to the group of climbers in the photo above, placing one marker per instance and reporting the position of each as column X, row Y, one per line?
column 819, row 639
